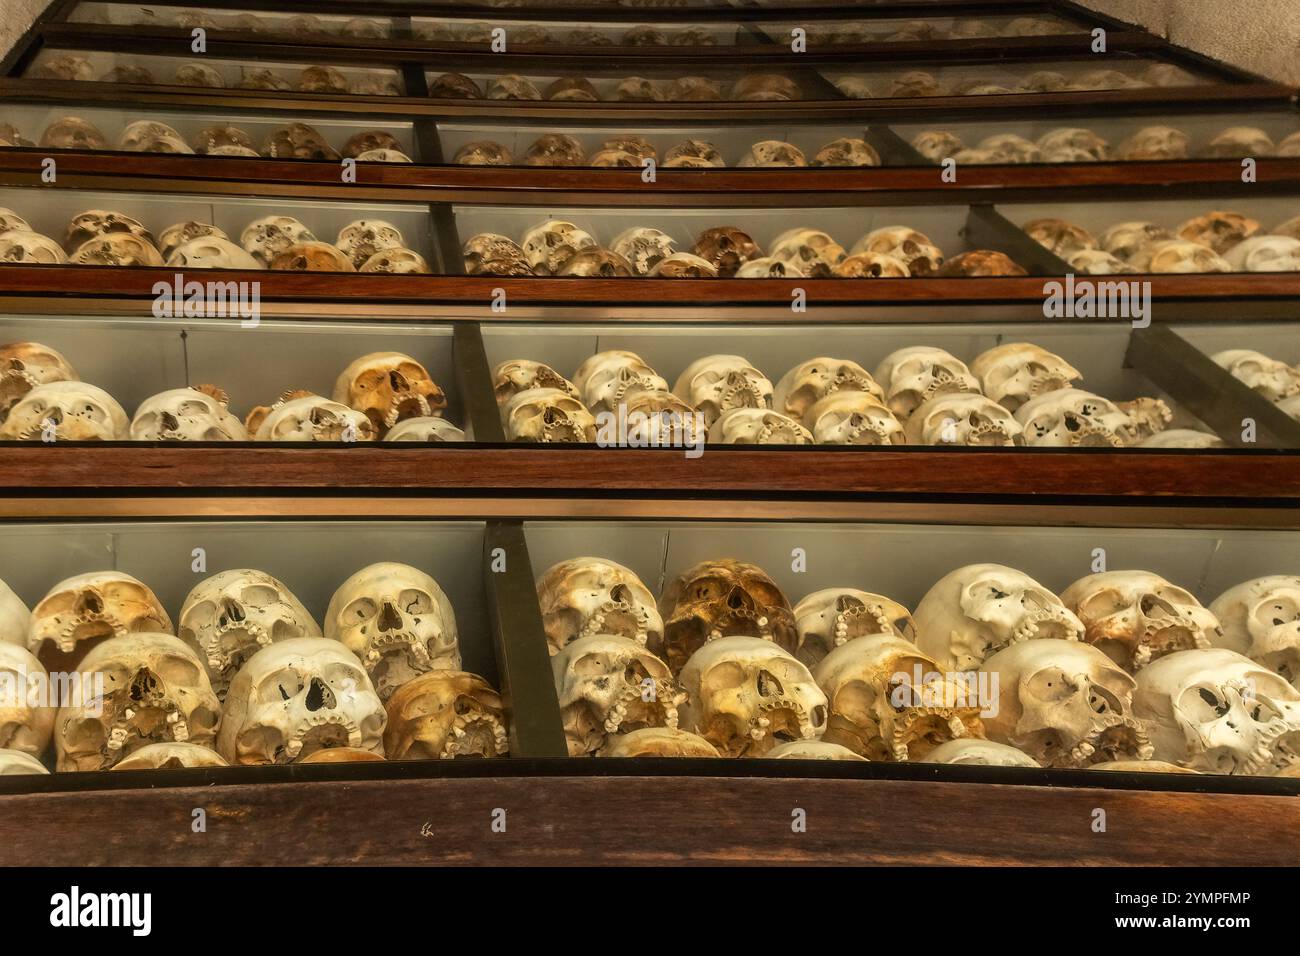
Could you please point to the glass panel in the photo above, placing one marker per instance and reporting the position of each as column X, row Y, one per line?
column 636, row 84
column 932, row 29
column 302, row 26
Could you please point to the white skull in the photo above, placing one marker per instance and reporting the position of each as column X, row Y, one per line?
column 718, row 383
column 117, row 249
column 15, row 762
column 746, row 695
column 388, row 387
column 609, row 684
column 1265, row 254
column 806, row 383
column 155, row 691
column 853, row 418
column 99, row 223
column 914, row 248
column 606, row 379
column 1219, row 230
column 643, row 247
column 981, row 753
column 398, row 622
column 1261, row 620
column 1097, row 262
column 425, row 430
column 1237, row 142
column 309, row 418
column 914, row 374
column 811, row 251
column 878, row 710
column 297, row 697
column 1065, row 704
column 547, row 415
column 25, row 247
column 187, row 414
column 73, row 132
column 1178, row 256
column 211, row 252
column 1147, row 416
column 178, row 234
column 513, row 376
column 585, row 596
column 1273, row 379
column 15, row 619
column 757, row 426
column 25, row 365
column 1072, row 145
column 383, row 156
column 397, row 262
column 1071, row 417
column 1126, row 239
column 1182, row 438
column 937, row 145
column 1059, row 236
column 1154, row 143
column 773, row 152
column 362, row 240
column 811, row 750
column 832, row 617
column 980, row 609
column 171, row 756
column 1013, row 373
column 86, row 609
column 961, row 419
column 266, row 238
column 1219, row 712
column 27, row 701
column 766, row 267
column 230, row 616
column 75, row 411
column 1136, row 617
column 550, row 244
column 147, row 136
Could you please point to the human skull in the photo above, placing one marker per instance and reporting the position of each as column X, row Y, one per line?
column 457, row 86
column 342, row 755
column 266, row 238
column 773, row 152
column 550, row 244
column 361, row 240
column 643, row 248
column 388, row 387
column 17, row 763
column 921, row 256
column 758, row 426
column 323, row 79
column 608, row 684
column 937, row 145
column 425, row 430
column 912, row 375
column 766, row 267
column 24, row 247
column 1147, row 416
column 25, row 365
column 511, row 377
column 811, row 750
column 200, row 75
column 871, row 265
column 1154, row 143
column 1126, row 240
column 812, row 251
column 72, row 411
column 445, row 714
column 1136, row 617
column 746, row 696
column 146, row 136
column 491, row 254
column 585, row 596
column 1261, row 619
column 847, row 151
column 117, row 249
column 396, row 262
column 371, row 140
column 1072, row 145
column 726, row 248
column 230, row 616
column 26, row 718
column 1178, row 257
column 171, row 756
column 187, row 414
column 211, row 252
column 15, row 619
column 1065, row 704
column 83, row 611
column 302, row 416
column 572, row 89
column 1217, row 711
column 312, row 257
column 694, row 149
column 155, row 691
column 658, row 742
column 1058, row 236
column 1265, row 254
column 832, row 617
column 601, row 263
column 765, row 87
column 1182, row 438
column 555, row 149
column 880, row 711
column 812, row 380
column 398, row 621
column 1071, row 418
column 547, row 415
column 913, row 83
column 178, row 234
column 1013, row 373
column 1267, row 376
column 296, row 697
column 961, row 419
column 980, row 609
column 1238, row 142
column 483, row 153
column 637, row 89
column 99, row 223
column 719, row 383
column 981, row 753
column 298, row 141
column 716, row 599
column 1097, row 262
column 64, row 66
column 981, row 262
column 853, row 418
column 1219, row 230
column 606, row 379
column 73, row 132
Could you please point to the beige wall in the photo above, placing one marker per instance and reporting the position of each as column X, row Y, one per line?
column 1260, row 35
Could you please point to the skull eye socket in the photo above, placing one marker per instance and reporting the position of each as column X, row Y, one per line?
column 1204, row 704
column 1102, row 605
column 415, row 602
column 192, row 409
column 178, row 671
column 1050, row 685
column 725, row 676
column 359, row 611
column 590, row 665
column 706, row 589
column 259, row 595
column 281, row 686
column 1278, row 612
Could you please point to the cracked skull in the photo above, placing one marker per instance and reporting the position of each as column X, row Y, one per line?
column 297, row 697
column 608, row 685
column 398, row 621
column 155, row 690
column 230, row 616
column 445, row 714
column 1136, row 617
column 1261, row 619
column 585, row 596
column 389, row 387
column 980, row 609
column 832, row 617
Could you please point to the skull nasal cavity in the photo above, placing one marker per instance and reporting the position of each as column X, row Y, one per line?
column 389, row 618
column 319, row 696
column 170, row 422
column 90, row 604
column 143, row 685
column 231, row 612
column 621, row 594
column 738, row 598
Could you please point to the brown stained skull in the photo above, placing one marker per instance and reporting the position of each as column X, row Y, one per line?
column 99, row 223
column 72, row 132
column 87, row 609
column 443, row 715
column 25, row 365
column 491, row 254
column 715, row 599
column 312, row 257
column 389, row 387
column 370, row 140
column 519, row 375
column 365, row 238
column 981, row 262
column 298, row 141
column 726, row 248
column 585, row 596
